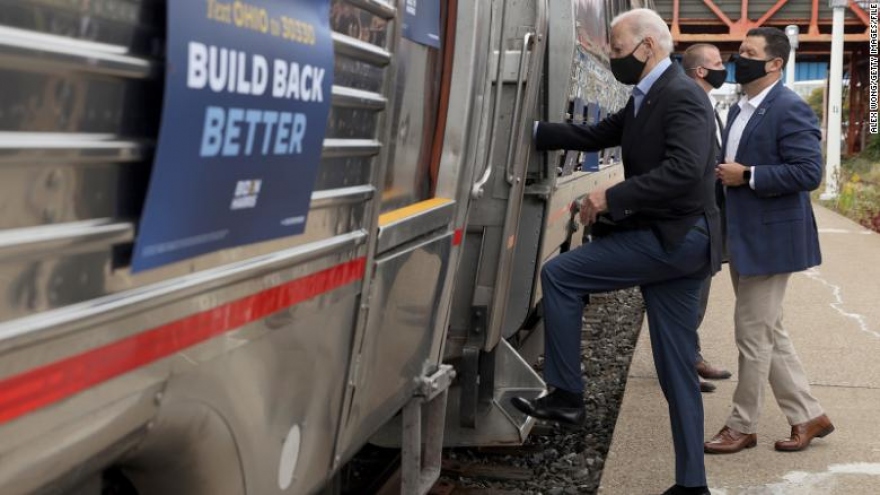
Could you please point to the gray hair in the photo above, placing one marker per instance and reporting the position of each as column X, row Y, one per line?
column 646, row 22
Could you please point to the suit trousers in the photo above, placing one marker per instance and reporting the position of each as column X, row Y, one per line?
column 670, row 283
column 704, row 304
column 766, row 354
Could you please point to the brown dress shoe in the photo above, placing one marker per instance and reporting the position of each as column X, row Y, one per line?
column 709, row 372
column 730, row 441
column 802, row 434
column 706, row 387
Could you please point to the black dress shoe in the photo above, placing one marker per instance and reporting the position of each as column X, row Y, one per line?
column 687, row 490
column 706, row 387
column 552, row 408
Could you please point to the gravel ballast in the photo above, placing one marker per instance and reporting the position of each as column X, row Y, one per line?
column 558, row 460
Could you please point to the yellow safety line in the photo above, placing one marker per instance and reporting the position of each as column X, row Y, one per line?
column 413, row 209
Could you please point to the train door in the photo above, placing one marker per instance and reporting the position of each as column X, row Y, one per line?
column 423, row 184
column 498, row 265
column 496, row 328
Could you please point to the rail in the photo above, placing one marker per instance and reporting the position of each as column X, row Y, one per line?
column 51, row 53
column 479, row 186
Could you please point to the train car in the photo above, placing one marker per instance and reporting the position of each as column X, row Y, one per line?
column 263, row 367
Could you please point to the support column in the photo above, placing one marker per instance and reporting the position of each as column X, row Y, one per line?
column 835, row 87
column 792, row 32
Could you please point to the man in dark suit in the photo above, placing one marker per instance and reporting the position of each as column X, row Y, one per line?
column 702, row 63
column 772, row 160
column 663, row 234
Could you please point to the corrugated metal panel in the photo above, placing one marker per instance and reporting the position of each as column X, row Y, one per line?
column 665, row 10
column 802, row 10
column 808, row 71
column 687, row 10
column 794, row 9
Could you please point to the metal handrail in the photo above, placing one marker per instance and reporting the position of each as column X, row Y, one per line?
column 379, row 8
column 517, row 105
column 48, row 52
column 514, row 202
column 360, row 50
column 477, row 190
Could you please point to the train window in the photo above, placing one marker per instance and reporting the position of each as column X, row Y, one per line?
column 361, row 25
column 413, row 122
column 592, row 26
column 135, row 25
column 615, row 7
column 357, row 23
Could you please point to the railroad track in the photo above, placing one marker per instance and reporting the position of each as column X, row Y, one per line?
column 554, row 460
column 496, row 470
column 460, row 478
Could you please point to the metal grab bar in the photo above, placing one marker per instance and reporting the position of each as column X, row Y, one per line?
column 522, row 146
column 477, row 190
column 517, row 105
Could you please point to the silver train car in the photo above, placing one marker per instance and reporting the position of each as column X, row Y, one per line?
column 412, row 294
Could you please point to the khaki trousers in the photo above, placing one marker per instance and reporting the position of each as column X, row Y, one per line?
column 766, row 353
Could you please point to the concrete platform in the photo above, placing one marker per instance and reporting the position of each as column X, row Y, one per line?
column 833, row 315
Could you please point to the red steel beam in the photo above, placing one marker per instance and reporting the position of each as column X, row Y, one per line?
column 676, row 30
column 804, row 38
column 712, row 21
column 718, row 12
column 814, row 19
column 859, row 12
column 855, row 124
column 736, row 30
column 778, row 5
column 858, row 101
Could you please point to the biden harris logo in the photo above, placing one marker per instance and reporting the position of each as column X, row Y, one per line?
column 246, row 194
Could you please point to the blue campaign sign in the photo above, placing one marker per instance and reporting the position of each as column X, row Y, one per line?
column 247, row 94
column 421, row 22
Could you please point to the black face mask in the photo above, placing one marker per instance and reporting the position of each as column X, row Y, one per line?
column 628, row 69
column 715, row 77
column 747, row 69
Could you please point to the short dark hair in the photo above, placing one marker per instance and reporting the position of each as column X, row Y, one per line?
column 778, row 45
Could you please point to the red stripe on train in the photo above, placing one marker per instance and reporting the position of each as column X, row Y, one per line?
column 456, row 238
column 24, row 393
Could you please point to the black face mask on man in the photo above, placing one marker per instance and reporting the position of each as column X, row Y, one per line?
column 748, row 70
column 628, row 69
column 715, row 77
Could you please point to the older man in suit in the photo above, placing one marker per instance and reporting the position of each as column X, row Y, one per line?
column 663, row 234
column 772, row 160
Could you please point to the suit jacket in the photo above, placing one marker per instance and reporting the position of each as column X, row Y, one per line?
column 669, row 159
column 771, row 229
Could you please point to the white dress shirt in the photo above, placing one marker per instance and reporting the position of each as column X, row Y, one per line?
column 714, row 103
column 747, row 108
column 644, row 86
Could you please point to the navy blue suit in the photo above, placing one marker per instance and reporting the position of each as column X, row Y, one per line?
column 771, row 229
column 664, row 236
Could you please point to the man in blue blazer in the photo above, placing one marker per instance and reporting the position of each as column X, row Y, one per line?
column 772, row 159
column 662, row 234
